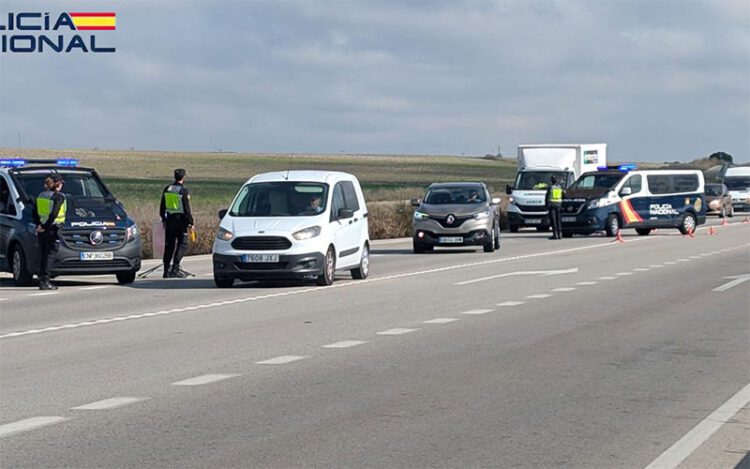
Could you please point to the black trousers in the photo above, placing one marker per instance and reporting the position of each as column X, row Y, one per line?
column 48, row 246
column 175, row 243
column 554, row 220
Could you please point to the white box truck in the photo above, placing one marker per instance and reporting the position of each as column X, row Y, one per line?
column 737, row 180
column 536, row 165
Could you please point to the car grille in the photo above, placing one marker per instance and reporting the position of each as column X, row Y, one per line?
column 80, row 240
column 79, row 264
column 532, row 208
column 261, row 265
column 572, row 207
column 456, row 223
column 261, row 243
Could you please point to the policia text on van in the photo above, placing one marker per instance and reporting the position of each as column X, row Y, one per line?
column 97, row 236
column 620, row 197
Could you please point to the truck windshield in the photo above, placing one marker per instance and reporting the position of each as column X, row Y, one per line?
column 79, row 184
column 539, row 180
column 280, row 199
column 737, row 183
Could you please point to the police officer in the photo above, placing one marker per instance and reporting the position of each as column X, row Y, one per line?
column 553, row 199
column 177, row 219
column 49, row 216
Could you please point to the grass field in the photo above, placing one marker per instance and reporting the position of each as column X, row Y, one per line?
column 137, row 179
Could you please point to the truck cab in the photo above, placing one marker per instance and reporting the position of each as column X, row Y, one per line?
column 737, row 180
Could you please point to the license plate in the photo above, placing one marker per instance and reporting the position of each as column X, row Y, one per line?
column 534, row 221
column 451, row 239
column 260, row 258
column 97, row 256
column 568, row 219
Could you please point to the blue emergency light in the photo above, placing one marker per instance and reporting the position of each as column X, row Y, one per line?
column 67, row 162
column 623, row 167
column 12, row 162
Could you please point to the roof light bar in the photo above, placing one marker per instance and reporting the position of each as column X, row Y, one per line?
column 12, row 162
column 67, row 162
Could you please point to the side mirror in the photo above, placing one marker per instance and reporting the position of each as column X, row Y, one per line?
column 495, row 200
column 415, row 202
column 222, row 214
column 626, row 191
column 508, row 189
column 345, row 213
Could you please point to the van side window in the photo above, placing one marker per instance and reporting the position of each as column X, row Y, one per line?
column 338, row 201
column 7, row 206
column 685, row 182
column 350, row 196
column 634, row 183
column 659, row 184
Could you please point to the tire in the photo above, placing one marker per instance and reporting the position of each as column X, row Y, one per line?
column 688, row 224
column 542, row 229
column 490, row 247
column 723, row 212
column 496, row 241
column 21, row 275
column 643, row 231
column 363, row 270
column 731, row 211
column 567, row 234
column 513, row 228
column 612, row 225
column 223, row 282
column 126, row 278
column 418, row 247
column 329, row 269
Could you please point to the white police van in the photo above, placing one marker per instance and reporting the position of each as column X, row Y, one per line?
column 617, row 197
column 97, row 237
column 293, row 225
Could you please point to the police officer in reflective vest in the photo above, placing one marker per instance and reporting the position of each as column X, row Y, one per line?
column 554, row 199
column 49, row 216
column 177, row 219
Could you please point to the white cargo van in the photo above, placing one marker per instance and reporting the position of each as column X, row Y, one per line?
column 737, row 180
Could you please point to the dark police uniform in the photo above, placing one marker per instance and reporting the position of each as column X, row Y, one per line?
column 176, row 215
column 554, row 198
column 50, row 211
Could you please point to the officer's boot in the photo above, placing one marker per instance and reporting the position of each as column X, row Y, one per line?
column 177, row 272
column 45, row 285
column 166, row 271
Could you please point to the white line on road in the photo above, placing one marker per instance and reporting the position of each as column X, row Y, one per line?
column 586, row 283
column 44, row 293
column 539, row 296
column 656, row 266
column 96, row 287
column 475, row 312
column 112, row 403
column 282, row 360
column 678, row 452
column 204, row 379
column 440, row 320
column 738, row 279
column 28, row 424
column 564, row 289
column 345, row 344
column 3, row 299
column 623, row 274
column 695, row 257
column 511, row 274
column 607, row 278
column 670, row 263
column 683, row 260
column 509, row 303
column 397, row 331
column 641, row 269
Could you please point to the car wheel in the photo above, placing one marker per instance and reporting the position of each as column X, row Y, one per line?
column 223, row 282
column 513, row 228
column 688, row 224
column 363, row 270
column 542, row 229
column 418, row 247
column 643, row 231
column 21, row 275
column 731, row 211
column 490, row 247
column 723, row 212
column 497, row 237
column 567, row 234
column 125, row 278
column 329, row 269
column 612, row 226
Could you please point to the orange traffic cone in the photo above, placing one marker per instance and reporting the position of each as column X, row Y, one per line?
column 746, row 220
column 724, row 221
column 711, row 230
column 690, row 233
column 618, row 238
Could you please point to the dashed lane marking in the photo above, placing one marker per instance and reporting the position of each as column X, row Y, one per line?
column 28, row 424
column 397, row 331
column 44, row 293
column 204, row 379
column 96, row 287
column 656, row 266
column 623, row 274
column 564, row 289
column 683, row 260
column 539, row 296
column 607, row 278
column 509, row 303
column 641, row 269
column 670, row 263
column 112, row 403
column 475, row 312
column 345, row 344
column 282, row 360
column 441, row 320
column 586, row 283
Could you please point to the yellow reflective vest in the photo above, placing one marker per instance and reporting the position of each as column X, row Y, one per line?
column 44, row 205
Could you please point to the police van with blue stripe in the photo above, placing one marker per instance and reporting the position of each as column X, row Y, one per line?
column 96, row 236
column 617, row 197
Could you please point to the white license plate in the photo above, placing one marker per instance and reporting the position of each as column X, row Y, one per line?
column 97, row 256
column 568, row 219
column 260, row 258
column 534, row 221
column 451, row 239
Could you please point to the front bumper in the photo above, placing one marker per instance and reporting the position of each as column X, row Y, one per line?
column 289, row 267
column 526, row 219
column 126, row 258
column 472, row 238
column 587, row 222
column 741, row 206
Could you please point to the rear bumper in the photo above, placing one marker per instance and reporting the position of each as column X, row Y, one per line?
column 289, row 267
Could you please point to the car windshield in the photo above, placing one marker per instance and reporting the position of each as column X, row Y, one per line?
column 280, row 199
column 539, row 180
column 455, row 195
column 737, row 183
column 78, row 184
column 597, row 181
column 713, row 189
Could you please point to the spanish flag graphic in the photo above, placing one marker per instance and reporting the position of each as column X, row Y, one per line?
column 630, row 215
column 94, row 21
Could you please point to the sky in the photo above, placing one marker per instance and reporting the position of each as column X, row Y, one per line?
column 655, row 80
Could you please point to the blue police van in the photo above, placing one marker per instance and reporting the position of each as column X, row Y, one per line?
column 617, row 197
column 97, row 237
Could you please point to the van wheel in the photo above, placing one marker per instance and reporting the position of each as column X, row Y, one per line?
column 363, row 270
column 223, row 282
column 21, row 275
column 125, row 278
column 542, row 229
column 513, row 228
column 688, row 224
column 329, row 269
column 567, row 234
column 612, row 226
column 490, row 247
column 643, row 231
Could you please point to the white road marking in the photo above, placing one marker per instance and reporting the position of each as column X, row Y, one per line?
column 97, row 287
column 656, row 266
column 345, row 344
column 738, row 279
column 670, row 263
column 539, row 296
column 685, row 446
column 282, row 360
column 705, row 254
column 511, row 274
column 204, row 379
column 112, row 403
column 695, row 257
column 683, row 260
column 564, row 289
column 397, row 331
column 623, row 274
column 475, row 312
column 441, row 320
column 607, row 278
column 3, row 299
column 509, row 303
column 641, row 269
column 28, row 424
column 587, row 283
column 44, row 293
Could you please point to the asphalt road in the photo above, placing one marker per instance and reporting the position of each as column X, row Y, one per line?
column 573, row 353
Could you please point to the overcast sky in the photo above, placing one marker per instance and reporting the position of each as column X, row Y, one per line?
column 656, row 80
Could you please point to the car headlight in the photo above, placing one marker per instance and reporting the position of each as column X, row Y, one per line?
column 132, row 232
column 512, row 200
column 224, row 234
column 307, row 233
column 714, row 204
column 420, row 215
column 610, row 199
column 482, row 215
